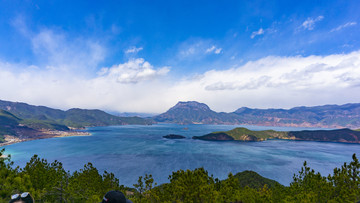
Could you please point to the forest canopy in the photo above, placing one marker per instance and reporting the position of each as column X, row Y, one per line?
column 50, row 182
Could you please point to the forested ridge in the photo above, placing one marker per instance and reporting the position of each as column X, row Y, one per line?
column 50, row 182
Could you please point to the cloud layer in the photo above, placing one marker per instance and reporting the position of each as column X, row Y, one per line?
column 137, row 86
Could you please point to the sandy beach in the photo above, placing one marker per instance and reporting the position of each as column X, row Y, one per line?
column 44, row 134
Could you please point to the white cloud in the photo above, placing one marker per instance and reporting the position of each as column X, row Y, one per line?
column 309, row 23
column 133, row 50
column 218, row 51
column 133, row 71
column 213, row 49
column 188, row 52
column 348, row 24
column 259, row 32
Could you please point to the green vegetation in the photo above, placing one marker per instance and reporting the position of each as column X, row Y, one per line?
column 254, row 180
column 244, row 134
column 50, row 182
column 43, row 124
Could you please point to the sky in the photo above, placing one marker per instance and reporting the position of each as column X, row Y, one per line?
column 145, row 56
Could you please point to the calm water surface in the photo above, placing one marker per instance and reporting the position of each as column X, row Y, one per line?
column 132, row 151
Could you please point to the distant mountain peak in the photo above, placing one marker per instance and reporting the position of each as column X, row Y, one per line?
column 191, row 105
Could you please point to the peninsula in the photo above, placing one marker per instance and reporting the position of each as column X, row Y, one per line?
column 244, row 134
column 21, row 122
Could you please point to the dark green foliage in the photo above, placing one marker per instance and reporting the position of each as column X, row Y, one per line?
column 254, row 180
column 244, row 134
column 339, row 135
column 49, row 182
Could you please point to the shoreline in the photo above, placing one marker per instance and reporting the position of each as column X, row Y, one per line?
column 9, row 139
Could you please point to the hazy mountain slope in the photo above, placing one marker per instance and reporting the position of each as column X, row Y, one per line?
column 82, row 117
column 194, row 112
column 331, row 116
column 347, row 115
column 41, row 116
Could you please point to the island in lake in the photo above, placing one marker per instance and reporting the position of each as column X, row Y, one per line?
column 173, row 136
column 244, row 134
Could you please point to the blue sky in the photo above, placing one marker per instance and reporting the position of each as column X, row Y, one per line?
column 144, row 56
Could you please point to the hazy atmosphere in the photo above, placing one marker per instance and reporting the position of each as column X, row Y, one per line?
column 142, row 56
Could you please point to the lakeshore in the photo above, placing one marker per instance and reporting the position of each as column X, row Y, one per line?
column 43, row 134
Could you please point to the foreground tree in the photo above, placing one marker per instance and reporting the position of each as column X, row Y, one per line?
column 49, row 182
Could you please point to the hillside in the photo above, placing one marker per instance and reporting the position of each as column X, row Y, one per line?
column 244, row 134
column 77, row 118
column 81, row 117
column 341, row 135
column 329, row 116
column 7, row 124
column 11, row 125
column 21, row 121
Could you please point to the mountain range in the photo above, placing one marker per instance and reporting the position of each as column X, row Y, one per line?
column 18, row 119
column 327, row 116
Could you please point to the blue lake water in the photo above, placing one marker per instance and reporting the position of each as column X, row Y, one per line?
column 132, row 151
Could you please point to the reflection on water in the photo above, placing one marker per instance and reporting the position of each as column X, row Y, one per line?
column 132, row 151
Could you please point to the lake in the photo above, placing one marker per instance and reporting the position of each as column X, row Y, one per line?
column 132, row 151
